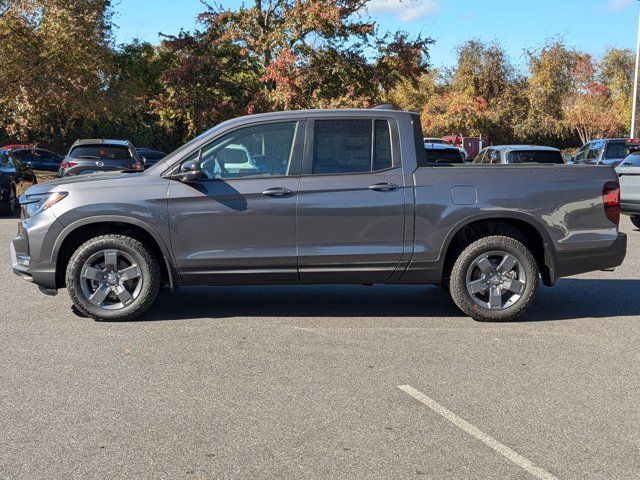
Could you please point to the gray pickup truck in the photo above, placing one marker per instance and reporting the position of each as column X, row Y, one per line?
column 310, row 197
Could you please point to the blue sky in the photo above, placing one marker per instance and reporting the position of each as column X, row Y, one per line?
column 591, row 25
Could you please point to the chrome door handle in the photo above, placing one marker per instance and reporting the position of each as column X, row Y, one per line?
column 277, row 192
column 384, row 187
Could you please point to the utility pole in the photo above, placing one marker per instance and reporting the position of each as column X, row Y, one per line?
column 635, row 86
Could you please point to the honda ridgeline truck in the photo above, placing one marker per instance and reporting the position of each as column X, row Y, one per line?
column 315, row 197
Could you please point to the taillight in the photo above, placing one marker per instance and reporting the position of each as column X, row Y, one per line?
column 611, row 199
column 67, row 164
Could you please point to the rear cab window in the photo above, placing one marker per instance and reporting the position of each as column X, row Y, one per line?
column 443, row 155
column 101, row 152
column 535, row 156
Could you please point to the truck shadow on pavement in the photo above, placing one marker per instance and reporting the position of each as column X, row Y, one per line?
column 572, row 298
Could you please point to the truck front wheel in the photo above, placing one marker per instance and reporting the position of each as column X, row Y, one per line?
column 113, row 277
column 494, row 279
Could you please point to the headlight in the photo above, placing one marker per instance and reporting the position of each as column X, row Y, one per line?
column 35, row 204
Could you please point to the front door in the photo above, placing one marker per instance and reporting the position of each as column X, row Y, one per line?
column 351, row 202
column 237, row 225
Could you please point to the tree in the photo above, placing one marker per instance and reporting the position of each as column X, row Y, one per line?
column 282, row 54
column 592, row 115
column 483, row 70
column 58, row 55
column 551, row 80
column 616, row 72
column 454, row 113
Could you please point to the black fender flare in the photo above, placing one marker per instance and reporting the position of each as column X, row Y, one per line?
column 549, row 249
column 166, row 252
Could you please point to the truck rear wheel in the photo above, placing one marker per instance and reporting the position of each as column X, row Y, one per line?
column 113, row 277
column 495, row 278
column 635, row 219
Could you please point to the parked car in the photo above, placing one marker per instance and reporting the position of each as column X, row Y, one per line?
column 605, row 151
column 16, row 146
column 442, row 141
column 506, row 154
column 149, row 156
column 15, row 179
column 39, row 159
column 342, row 196
column 94, row 156
column 629, row 173
column 443, row 153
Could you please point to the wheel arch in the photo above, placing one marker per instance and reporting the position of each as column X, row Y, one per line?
column 82, row 230
column 522, row 227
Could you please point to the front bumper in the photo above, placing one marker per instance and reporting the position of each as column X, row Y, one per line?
column 583, row 261
column 30, row 251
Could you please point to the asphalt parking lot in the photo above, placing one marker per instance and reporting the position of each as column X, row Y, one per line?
column 303, row 382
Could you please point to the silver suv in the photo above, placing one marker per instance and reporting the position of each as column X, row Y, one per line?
column 100, row 155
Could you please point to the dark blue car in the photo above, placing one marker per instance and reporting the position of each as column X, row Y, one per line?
column 15, row 179
column 39, row 159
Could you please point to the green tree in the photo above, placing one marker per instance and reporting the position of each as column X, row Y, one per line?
column 55, row 60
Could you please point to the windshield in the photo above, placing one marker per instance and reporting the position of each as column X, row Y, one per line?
column 102, row 152
column 616, row 150
column 632, row 160
column 535, row 156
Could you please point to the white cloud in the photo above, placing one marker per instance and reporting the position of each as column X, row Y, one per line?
column 620, row 4
column 405, row 10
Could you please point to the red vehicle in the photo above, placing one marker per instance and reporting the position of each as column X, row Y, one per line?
column 471, row 145
column 16, row 146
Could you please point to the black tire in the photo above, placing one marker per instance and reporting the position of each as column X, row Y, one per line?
column 525, row 275
column 635, row 219
column 10, row 207
column 146, row 290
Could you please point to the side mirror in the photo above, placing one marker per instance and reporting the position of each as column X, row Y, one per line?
column 189, row 172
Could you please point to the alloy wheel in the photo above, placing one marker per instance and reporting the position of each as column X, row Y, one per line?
column 495, row 280
column 111, row 279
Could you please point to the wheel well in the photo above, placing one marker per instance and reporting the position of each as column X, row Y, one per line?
column 85, row 232
column 518, row 229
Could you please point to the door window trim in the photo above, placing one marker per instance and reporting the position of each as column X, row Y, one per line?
column 296, row 152
column 307, row 158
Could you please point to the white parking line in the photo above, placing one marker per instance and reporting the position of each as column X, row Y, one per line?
column 501, row 448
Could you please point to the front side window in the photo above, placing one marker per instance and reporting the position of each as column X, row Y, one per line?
column 257, row 151
column 351, row 146
column 594, row 152
column 580, row 156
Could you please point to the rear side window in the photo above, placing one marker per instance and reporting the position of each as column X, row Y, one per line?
column 535, row 156
column 615, row 150
column 101, row 152
column 443, row 155
column 351, row 146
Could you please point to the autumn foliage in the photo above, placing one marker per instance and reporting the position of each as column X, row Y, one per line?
column 62, row 77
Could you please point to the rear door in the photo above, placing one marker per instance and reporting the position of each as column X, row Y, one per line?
column 351, row 201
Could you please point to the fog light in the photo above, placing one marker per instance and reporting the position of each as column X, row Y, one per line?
column 23, row 260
